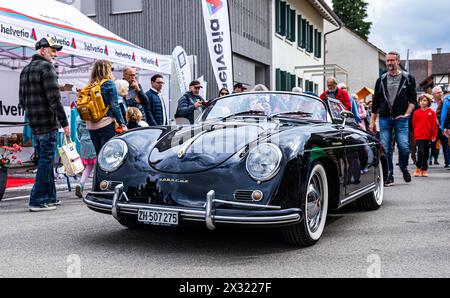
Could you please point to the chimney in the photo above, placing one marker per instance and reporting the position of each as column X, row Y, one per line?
column 439, row 50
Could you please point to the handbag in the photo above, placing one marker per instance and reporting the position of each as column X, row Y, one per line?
column 70, row 158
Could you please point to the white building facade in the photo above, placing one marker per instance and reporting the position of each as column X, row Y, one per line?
column 362, row 60
column 298, row 44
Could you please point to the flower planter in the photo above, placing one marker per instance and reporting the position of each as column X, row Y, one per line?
column 3, row 179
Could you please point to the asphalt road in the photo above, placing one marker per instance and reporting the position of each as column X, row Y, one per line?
column 408, row 237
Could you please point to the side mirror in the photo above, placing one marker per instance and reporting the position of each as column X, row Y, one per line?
column 345, row 115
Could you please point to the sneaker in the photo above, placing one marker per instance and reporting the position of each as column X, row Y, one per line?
column 417, row 172
column 424, row 174
column 79, row 191
column 389, row 181
column 407, row 176
column 45, row 207
column 56, row 203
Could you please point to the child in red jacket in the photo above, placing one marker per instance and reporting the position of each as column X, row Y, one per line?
column 425, row 132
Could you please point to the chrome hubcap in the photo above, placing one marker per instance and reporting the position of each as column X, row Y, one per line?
column 314, row 208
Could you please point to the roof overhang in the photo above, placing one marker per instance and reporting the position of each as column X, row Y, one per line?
column 26, row 22
column 326, row 12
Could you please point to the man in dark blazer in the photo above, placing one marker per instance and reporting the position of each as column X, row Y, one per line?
column 156, row 103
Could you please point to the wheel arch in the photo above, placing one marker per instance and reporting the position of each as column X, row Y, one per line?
column 334, row 190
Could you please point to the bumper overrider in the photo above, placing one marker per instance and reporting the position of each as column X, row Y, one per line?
column 250, row 214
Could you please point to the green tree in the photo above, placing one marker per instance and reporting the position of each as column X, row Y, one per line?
column 353, row 14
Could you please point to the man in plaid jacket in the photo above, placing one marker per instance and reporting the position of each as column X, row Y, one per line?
column 40, row 97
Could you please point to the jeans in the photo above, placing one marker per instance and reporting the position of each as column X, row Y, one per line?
column 423, row 149
column 44, row 189
column 101, row 136
column 401, row 129
column 445, row 147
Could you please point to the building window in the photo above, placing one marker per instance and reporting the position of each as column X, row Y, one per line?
column 307, row 40
column 300, row 36
column 291, row 25
column 285, row 81
column 293, row 82
column 282, row 19
column 310, row 47
column 88, row 7
column 300, row 83
column 119, row 6
column 287, row 21
column 311, row 86
column 278, row 79
column 316, row 88
column 319, row 45
column 278, row 23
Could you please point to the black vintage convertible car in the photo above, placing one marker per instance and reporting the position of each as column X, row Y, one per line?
column 266, row 159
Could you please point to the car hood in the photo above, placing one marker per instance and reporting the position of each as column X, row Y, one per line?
column 201, row 148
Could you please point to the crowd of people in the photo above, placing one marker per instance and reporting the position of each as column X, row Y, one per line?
column 395, row 114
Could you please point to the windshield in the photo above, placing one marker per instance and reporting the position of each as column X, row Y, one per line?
column 267, row 104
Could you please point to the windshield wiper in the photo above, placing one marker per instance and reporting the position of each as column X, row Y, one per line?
column 306, row 114
column 251, row 112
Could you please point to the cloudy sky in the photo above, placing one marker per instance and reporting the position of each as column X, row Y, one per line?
column 421, row 26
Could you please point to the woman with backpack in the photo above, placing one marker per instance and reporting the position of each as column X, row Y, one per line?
column 103, row 130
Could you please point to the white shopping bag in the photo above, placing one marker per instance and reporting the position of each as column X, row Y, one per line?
column 70, row 158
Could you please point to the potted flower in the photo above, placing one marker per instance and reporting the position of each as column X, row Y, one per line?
column 7, row 158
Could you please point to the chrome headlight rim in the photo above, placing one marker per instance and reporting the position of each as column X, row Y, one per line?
column 278, row 164
column 124, row 156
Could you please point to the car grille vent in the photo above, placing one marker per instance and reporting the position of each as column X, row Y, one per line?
column 243, row 195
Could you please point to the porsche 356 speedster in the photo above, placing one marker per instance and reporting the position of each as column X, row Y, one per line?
column 265, row 159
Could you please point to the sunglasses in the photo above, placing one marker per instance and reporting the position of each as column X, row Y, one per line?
column 224, row 93
column 197, row 88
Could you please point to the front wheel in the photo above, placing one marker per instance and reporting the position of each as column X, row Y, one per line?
column 374, row 200
column 315, row 207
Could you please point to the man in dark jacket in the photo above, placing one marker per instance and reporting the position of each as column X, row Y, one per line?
column 136, row 97
column 156, row 103
column 40, row 97
column 393, row 103
column 191, row 102
column 447, row 127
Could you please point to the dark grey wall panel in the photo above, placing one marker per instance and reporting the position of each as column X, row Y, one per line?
column 164, row 24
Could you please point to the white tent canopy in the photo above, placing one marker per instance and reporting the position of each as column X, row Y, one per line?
column 22, row 23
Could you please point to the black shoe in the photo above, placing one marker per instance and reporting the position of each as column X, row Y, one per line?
column 407, row 176
column 431, row 163
column 446, row 166
column 389, row 181
column 436, row 163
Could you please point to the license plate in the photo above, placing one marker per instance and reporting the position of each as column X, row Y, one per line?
column 158, row 218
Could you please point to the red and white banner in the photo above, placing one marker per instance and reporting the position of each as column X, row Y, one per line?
column 25, row 22
column 217, row 25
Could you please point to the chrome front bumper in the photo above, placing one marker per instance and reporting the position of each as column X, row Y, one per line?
column 121, row 205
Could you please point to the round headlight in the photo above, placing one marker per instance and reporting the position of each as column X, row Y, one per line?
column 112, row 155
column 263, row 162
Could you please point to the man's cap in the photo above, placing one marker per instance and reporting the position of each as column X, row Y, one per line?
column 195, row 83
column 48, row 43
column 240, row 86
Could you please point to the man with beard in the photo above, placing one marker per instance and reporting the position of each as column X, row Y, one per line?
column 40, row 97
column 394, row 100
